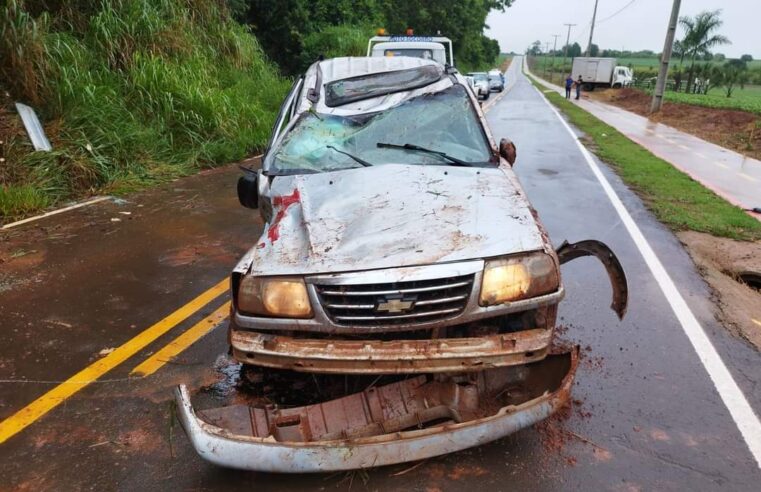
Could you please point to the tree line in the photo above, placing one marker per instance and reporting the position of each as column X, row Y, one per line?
column 294, row 33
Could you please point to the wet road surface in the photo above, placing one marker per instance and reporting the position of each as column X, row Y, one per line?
column 646, row 414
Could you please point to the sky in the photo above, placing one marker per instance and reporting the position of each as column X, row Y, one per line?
column 640, row 25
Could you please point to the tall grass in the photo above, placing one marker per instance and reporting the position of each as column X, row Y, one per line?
column 136, row 92
column 335, row 41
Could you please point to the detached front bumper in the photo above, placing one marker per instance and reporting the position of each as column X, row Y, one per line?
column 409, row 420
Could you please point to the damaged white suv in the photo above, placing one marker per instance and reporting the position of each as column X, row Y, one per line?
column 400, row 255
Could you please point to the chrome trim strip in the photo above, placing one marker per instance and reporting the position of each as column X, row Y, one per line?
column 397, row 291
column 350, row 306
column 442, row 300
column 399, row 316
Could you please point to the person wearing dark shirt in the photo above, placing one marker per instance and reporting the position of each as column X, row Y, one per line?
column 568, row 85
column 578, row 87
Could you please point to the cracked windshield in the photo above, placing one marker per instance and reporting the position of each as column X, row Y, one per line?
column 448, row 124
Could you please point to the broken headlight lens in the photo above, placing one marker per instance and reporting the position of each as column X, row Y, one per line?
column 512, row 279
column 276, row 297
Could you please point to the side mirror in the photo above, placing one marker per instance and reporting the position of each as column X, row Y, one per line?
column 507, row 150
column 248, row 190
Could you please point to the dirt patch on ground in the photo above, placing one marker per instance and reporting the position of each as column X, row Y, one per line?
column 722, row 261
column 728, row 128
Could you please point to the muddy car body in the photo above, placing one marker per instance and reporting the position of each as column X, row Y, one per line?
column 400, row 245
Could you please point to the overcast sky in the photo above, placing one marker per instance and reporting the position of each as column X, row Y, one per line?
column 641, row 25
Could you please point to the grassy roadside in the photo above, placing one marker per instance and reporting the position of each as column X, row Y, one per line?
column 131, row 93
column 675, row 198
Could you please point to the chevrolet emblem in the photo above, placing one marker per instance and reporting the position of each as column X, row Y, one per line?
column 394, row 306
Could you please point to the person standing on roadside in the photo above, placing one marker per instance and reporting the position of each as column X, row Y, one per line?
column 578, row 87
column 568, row 85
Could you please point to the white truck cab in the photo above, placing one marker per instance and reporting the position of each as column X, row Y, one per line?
column 622, row 77
column 436, row 48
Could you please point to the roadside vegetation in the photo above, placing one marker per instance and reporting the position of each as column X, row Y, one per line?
column 137, row 92
column 743, row 99
column 132, row 92
column 294, row 33
column 676, row 199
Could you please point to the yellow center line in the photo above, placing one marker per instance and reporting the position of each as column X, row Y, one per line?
column 756, row 321
column 749, row 178
column 185, row 340
column 42, row 405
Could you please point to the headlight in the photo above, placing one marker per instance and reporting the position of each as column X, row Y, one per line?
column 277, row 297
column 511, row 279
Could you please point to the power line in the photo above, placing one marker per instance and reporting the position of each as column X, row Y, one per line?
column 617, row 12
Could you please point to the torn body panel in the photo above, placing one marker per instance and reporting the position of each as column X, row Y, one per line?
column 568, row 252
column 408, row 420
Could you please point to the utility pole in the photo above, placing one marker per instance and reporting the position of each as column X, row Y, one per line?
column 554, row 52
column 546, row 50
column 592, row 30
column 567, row 40
column 660, row 85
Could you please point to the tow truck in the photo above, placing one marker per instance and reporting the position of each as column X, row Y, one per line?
column 436, row 48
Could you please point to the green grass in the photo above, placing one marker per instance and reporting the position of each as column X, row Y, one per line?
column 15, row 200
column 676, row 199
column 131, row 93
column 745, row 99
column 653, row 62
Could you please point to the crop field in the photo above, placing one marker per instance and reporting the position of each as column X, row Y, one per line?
column 748, row 99
column 653, row 62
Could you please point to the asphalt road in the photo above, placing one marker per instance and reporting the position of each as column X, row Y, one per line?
column 646, row 413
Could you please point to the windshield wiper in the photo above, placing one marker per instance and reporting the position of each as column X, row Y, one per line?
column 454, row 160
column 358, row 159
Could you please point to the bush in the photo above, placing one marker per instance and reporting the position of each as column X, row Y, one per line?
column 136, row 92
column 334, row 41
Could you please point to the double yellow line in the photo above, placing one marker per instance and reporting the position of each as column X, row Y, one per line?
column 42, row 405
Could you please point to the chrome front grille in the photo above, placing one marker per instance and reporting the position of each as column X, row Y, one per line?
column 398, row 303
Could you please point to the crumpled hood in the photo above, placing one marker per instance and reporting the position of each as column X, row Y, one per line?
column 391, row 216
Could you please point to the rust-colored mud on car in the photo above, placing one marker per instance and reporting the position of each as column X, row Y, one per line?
column 390, row 357
column 411, row 419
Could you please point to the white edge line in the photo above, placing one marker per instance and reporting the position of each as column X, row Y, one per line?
column 731, row 394
column 55, row 212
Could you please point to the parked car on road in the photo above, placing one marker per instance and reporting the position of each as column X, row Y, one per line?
column 496, row 80
column 401, row 301
column 481, row 83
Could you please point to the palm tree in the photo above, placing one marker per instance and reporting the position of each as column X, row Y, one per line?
column 700, row 37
